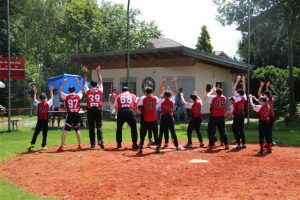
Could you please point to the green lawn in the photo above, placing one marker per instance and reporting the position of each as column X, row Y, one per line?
column 16, row 142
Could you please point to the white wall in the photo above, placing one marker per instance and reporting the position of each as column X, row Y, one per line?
column 203, row 74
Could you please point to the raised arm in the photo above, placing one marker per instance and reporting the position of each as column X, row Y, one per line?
column 84, row 71
column 98, row 69
column 268, row 85
column 62, row 86
column 260, row 88
column 51, row 92
column 34, row 92
column 169, row 89
column 238, row 78
column 161, row 87
column 251, row 100
column 174, row 81
column 182, row 98
column 244, row 83
column 78, row 84
column 198, row 97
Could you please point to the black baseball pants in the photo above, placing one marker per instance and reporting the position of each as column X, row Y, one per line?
column 213, row 124
column 152, row 126
column 126, row 115
column 166, row 124
column 42, row 124
column 238, row 129
column 194, row 124
column 94, row 116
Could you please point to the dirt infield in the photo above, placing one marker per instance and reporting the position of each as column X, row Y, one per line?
column 122, row 174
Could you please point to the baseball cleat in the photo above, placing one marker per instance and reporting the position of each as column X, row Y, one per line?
column 261, row 152
column 226, row 147
column 177, row 148
column 166, row 145
column 188, row 145
column 150, row 142
column 92, row 146
column 79, row 147
column 140, row 150
column 30, row 147
column 222, row 144
column 157, row 150
column 212, row 147
column 119, row 145
column 237, row 147
column 135, row 146
column 244, row 146
column 201, row 144
column 268, row 151
column 60, row 149
column 44, row 148
column 101, row 144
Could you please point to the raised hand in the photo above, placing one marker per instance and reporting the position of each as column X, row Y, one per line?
column 163, row 80
column 98, row 68
column 268, row 84
column 84, row 69
column 262, row 83
column 174, row 78
column 51, row 89
column 243, row 79
column 238, row 78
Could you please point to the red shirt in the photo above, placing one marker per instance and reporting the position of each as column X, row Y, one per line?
column 72, row 101
column 271, row 104
column 264, row 113
column 218, row 106
column 94, row 97
column 239, row 107
column 196, row 109
column 126, row 100
column 167, row 107
column 42, row 110
column 149, row 106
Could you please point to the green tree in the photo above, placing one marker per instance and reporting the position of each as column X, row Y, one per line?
column 285, row 12
column 203, row 43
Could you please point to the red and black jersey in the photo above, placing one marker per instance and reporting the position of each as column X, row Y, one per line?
column 42, row 110
column 196, row 109
column 126, row 100
column 149, row 107
column 264, row 113
column 72, row 101
column 271, row 104
column 239, row 107
column 218, row 106
column 94, row 97
column 167, row 107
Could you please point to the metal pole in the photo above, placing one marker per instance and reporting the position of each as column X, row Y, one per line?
column 128, row 44
column 9, row 69
column 248, row 85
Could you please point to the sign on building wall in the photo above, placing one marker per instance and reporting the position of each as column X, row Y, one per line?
column 17, row 68
column 148, row 82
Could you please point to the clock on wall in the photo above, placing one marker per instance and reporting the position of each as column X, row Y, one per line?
column 148, row 82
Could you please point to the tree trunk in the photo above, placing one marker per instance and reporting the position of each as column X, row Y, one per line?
column 291, row 60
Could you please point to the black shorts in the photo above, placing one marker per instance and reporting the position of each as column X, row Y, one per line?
column 72, row 120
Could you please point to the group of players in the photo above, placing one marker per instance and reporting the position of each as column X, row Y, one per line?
column 126, row 104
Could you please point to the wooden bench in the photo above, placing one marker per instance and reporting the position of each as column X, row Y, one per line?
column 14, row 123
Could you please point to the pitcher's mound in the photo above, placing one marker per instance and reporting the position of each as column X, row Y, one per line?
column 186, row 174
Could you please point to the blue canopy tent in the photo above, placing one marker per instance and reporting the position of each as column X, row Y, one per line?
column 57, row 81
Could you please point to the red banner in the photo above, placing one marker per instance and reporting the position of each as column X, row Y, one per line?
column 17, row 68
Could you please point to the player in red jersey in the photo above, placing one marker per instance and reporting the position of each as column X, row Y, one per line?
column 240, row 99
column 271, row 103
column 217, row 119
column 125, row 105
column 263, row 110
column 166, row 121
column 43, row 107
column 94, row 96
column 195, row 106
column 73, row 118
column 149, row 103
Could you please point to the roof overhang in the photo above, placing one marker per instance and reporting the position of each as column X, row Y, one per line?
column 158, row 57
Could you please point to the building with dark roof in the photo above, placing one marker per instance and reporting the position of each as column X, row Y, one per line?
column 194, row 68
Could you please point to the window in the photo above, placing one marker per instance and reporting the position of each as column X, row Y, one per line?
column 131, row 84
column 107, row 88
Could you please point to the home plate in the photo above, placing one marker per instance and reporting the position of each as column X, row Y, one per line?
column 198, row 161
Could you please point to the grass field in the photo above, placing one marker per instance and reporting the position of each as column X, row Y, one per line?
column 16, row 142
